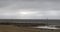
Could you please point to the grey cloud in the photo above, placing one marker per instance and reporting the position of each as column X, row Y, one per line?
column 50, row 9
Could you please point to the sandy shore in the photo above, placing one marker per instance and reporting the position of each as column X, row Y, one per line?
column 13, row 28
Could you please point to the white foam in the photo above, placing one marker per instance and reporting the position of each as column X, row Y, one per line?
column 46, row 27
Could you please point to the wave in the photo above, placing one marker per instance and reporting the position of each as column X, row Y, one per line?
column 48, row 27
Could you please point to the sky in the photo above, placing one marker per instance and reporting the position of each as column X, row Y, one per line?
column 29, row 9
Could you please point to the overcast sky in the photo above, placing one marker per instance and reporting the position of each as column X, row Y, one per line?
column 29, row 9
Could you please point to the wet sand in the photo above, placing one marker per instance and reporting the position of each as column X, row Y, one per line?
column 16, row 28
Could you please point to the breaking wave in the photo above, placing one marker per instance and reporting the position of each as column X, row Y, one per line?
column 48, row 27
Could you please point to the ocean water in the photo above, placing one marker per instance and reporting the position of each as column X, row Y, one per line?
column 47, row 27
column 48, row 22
